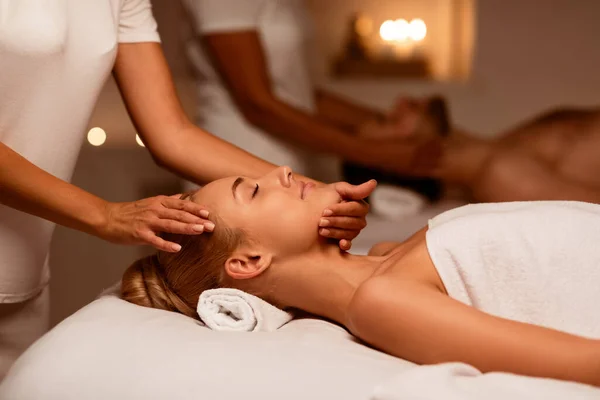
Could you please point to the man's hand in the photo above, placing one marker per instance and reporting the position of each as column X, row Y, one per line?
column 141, row 222
column 345, row 220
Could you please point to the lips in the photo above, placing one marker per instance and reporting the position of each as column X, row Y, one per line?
column 305, row 189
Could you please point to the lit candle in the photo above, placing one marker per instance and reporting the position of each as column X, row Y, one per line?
column 417, row 30
column 387, row 31
column 404, row 46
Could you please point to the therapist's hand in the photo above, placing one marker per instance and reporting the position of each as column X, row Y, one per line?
column 142, row 221
column 345, row 220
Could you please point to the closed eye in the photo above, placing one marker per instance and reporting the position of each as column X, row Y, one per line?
column 255, row 191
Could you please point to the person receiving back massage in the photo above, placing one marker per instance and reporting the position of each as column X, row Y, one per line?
column 553, row 156
column 484, row 284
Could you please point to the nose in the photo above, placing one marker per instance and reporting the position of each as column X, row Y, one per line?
column 284, row 176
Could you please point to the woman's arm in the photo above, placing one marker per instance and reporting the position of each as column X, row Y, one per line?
column 177, row 144
column 27, row 188
column 239, row 58
column 145, row 82
column 418, row 323
column 339, row 111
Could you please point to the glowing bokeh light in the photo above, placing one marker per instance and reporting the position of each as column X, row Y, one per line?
column 96, row 136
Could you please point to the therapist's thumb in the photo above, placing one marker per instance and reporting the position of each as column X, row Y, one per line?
column 355, row 192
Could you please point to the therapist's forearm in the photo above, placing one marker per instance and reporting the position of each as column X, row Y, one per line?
column 202, row 157
column 27, row 188
column 145, row 82
column 291, row 124
column 339, row 111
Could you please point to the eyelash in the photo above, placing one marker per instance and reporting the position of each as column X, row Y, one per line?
column 255, row 191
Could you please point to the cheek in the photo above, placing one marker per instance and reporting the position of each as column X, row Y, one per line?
column 291, row 227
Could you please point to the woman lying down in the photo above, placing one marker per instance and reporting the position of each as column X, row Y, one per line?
column 511, row 287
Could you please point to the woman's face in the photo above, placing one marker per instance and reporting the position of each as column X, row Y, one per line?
column 275, row 210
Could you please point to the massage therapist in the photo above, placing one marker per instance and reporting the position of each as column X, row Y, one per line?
column 55, row 57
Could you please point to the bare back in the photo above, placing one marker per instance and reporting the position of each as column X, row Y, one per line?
column 567, row 140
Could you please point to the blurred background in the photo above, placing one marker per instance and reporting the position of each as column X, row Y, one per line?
column 497, row 62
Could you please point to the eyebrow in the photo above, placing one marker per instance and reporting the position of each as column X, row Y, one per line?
column 235, row 185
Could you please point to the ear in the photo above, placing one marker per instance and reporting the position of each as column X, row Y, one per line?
column 247, row 264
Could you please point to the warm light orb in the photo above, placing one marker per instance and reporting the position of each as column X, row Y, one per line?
column 402, row 29
column 417, row 29
column 96, row 136
column 387, row 30
column 138, row 140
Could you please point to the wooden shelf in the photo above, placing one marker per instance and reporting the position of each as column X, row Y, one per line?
column 409, row 69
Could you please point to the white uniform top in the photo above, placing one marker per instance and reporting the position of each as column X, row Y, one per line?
column 534, row 262
column 55, row 57
column 285, row 32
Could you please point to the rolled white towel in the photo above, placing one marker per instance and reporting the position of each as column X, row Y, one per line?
column 234, row 310
column 395, row 202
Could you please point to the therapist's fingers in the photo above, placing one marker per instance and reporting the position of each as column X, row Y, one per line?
column 357, row 209
column 339, row 234
column 181, row 216
column 159, row 243
column 346, row 223
column 142, row 221
column 345, row 244
column 184, row 205
column 172, row 226
column 348, row 191
column 187, row 212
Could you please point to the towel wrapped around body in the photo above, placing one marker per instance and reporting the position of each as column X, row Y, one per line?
column 533, row 262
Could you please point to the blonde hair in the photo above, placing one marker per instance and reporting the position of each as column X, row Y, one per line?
column 174, row 281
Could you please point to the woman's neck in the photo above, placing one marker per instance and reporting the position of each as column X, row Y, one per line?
column 321, row 283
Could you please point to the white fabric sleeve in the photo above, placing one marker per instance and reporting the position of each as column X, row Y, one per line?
column 212, row 16
column 136, row 22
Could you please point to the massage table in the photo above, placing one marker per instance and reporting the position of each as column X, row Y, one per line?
column 111, row 349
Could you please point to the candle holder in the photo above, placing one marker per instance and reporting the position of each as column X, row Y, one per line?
column 400, row 52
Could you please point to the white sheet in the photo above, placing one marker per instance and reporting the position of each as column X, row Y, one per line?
column 114, row 350
column 457, row 381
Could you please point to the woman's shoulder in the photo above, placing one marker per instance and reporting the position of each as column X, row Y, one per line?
column 408, row 262
column 383, row 296
column 389, row 248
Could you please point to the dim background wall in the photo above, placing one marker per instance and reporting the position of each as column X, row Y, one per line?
column 529, row 56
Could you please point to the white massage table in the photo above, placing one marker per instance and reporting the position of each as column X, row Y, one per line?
column 114, row 350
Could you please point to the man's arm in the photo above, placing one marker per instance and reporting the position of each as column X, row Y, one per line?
column 420, row 324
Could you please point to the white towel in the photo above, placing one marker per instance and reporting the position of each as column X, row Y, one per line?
column 533, row 262
column 458, row 381
column 234, row 310
column 395, row 202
